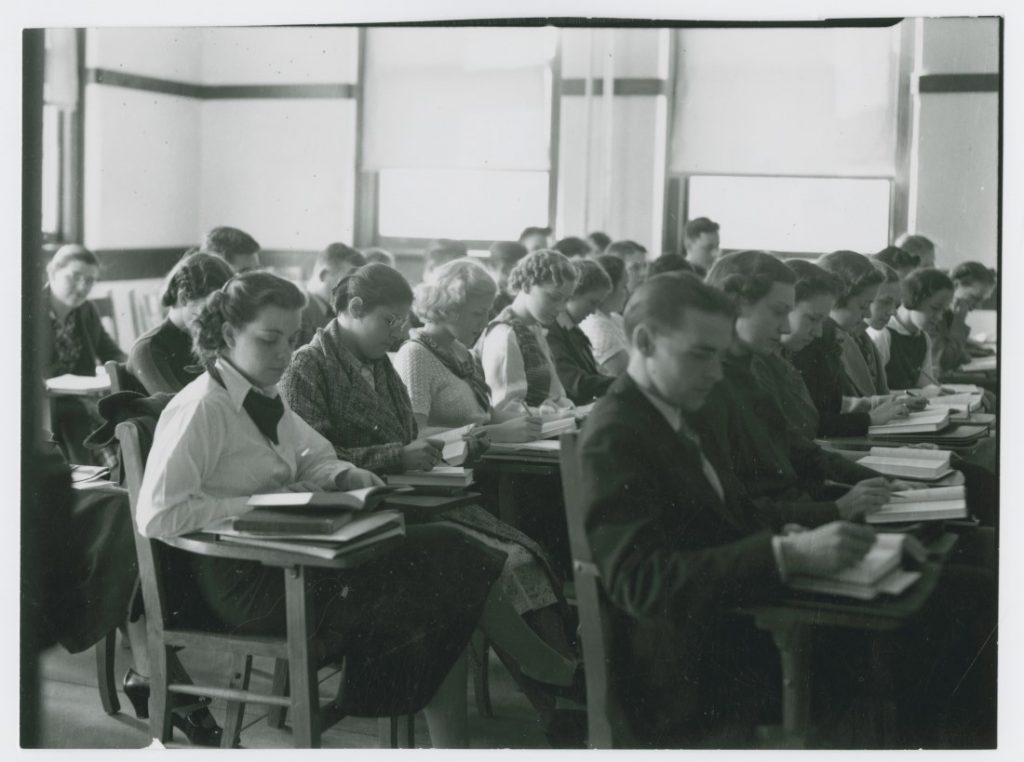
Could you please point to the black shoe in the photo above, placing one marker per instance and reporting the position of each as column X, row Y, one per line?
column 190, row 715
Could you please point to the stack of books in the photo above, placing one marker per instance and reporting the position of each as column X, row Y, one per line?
column 318, row 524
column 935, row 504
column 924, row 422
column 552, row 426
column 542, row 449
column 440, row 480
column 909, row 463
column 878, row 572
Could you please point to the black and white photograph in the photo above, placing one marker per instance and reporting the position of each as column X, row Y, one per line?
column 456, row 376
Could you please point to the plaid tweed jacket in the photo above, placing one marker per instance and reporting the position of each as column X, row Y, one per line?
column 324, row 386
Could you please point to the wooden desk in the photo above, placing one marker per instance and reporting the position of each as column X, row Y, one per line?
column 506, row 468
column 792, row 621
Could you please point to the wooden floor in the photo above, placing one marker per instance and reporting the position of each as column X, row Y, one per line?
column 72, row 716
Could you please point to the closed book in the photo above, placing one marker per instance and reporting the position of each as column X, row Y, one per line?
column 318, row 549
column 937, row 504
column 894, row 583
column 904, row 463
column 961, row 435
column 420, row 506
column 293, row 521
column 884, row 556
column 542, row 448
column 456, row 448
column 916, row 423
column 439, row 476
column 357, row 524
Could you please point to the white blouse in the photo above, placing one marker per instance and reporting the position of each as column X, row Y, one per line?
column 505, row 372
column 208, row 457
column 606, row 334
column 446, row 400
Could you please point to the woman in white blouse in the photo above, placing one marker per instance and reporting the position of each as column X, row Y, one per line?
column 604, row 326
column 513, row 349
column 402, row 621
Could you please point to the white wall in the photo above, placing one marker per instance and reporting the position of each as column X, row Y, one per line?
column 956, row 161
column 265, row 55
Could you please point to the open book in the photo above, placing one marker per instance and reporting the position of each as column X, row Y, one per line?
column 72, row 384
column 964, row 402
column 554, row 425
column 877, row 572
column 312, row 513
column 456, row 448
column 935, row 504
column 908, row 462
column 541, row 447
column 916, row 423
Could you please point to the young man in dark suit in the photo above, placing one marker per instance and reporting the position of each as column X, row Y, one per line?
column 677, row 551
column 332, row 264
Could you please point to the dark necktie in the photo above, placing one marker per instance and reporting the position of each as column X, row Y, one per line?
column 265, row 413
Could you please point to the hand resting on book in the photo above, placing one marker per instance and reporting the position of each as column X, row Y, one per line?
column 826, row 549
column 864, row 498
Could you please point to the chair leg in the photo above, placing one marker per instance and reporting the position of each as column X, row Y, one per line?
column 305, row 695
column 105, row 673
column 409, row 723
column 480, row 650
column 277, row 714
column 159, row 696
column 387, row 732
column 241, row 671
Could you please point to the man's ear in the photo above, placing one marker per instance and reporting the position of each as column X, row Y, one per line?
column 643, row 340
column 228, row 332
column 322, row 275
column 355, row 307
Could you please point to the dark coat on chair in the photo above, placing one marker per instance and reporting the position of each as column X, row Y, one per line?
column 674, row 561
column 574, row 361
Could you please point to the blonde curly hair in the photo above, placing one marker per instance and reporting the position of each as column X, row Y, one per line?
column 447, row 289
column 540, row 268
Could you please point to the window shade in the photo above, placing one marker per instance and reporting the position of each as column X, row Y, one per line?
column 786, row 101
column 457, row 98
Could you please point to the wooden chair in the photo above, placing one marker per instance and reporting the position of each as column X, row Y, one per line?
column 298, row 647
column 607, row 726
column 121, row 379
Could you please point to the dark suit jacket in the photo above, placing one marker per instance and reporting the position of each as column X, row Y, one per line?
column 317, row 314
column 574, row 361
column 674, row 561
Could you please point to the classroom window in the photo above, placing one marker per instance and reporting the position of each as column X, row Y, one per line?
column 52, row 161
column 464, row 204
column 794, row 214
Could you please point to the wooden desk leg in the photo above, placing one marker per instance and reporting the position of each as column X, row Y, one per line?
column 794, row 643
column 508, row 500
column 277, row 714
column 305, row 692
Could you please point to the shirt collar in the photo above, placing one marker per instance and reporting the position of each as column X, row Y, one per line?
column 237, row 385
column 671, row 414
column 901, row 328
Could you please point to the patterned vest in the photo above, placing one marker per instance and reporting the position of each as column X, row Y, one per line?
column 535, row 360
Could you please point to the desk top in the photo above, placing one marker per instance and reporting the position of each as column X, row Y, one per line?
column 208, row 545
column 883, row 613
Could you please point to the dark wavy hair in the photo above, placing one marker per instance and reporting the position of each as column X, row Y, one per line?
column 748, row 276
column 195, row 276
column 539, row 268
column 590, row 277
column 661, row 302
column 969, row 273
column 668, row 263
column 812, row 281
column 572, row 247
column 230, row 243
column 854, row 270
column 897, row 258
column 614, row 266
column 921, row 285
column 239, row 302
column 375, row 284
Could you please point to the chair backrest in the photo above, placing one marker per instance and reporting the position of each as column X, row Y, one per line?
column 147, row 312
column 133, row 461
column 121, row 379
column 607, row 726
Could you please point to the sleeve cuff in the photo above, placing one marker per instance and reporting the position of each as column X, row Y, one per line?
column 780, row 559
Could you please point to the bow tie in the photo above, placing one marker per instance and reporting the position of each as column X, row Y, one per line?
column 265, row 413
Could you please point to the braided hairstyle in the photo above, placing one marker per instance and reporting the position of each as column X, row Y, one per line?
column 239, row 302
column 195, row 276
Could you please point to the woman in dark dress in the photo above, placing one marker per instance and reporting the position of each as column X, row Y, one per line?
column 162, row 358
column 402, row 622
column 74, row 342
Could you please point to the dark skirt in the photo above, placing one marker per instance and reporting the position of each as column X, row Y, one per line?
column 400, row 621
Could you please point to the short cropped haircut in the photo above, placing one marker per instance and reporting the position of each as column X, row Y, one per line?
column 661, row 302
column 668, row 263
column 68, row 253
column 590, row 277
column 230, row 243
column 338, row 255
column 447, row 289
column 505, row 255
column 532, row 231
column 813, row 281
column 614, row 266
column 379, row 255
column 890, row 275
column 897, row 258
column 540, row 268
column 239, row 302
column 376, row 285
column 748, row 276
column 695, row 228
column 624, row 249
column 970, row 273
column 915, row 244
column 195, row 276
column 573, row 247
column 922, row 285
column 600, row 240
column 854, row 270
column 444, row 250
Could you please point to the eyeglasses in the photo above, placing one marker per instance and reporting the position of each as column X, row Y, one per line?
column 394, row 321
